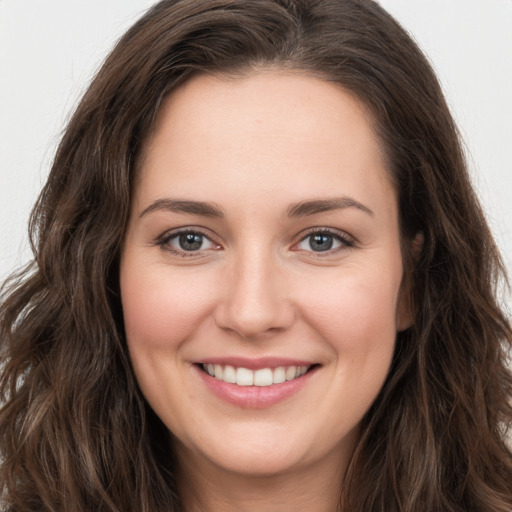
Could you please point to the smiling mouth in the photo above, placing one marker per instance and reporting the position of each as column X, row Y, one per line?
column 261, row 377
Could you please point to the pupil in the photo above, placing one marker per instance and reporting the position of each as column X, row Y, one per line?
column 191, row 241
column 320, row 242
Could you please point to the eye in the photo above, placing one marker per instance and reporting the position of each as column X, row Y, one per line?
column 324, row 241
column 189, row 241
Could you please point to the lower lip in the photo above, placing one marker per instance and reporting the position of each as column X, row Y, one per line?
column 254, row 397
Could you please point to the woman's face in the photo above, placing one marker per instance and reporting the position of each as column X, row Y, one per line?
column 263, row 243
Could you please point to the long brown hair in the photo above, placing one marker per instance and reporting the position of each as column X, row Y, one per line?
column 76, row 434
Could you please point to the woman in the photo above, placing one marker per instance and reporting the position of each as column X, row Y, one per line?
column 262, row 280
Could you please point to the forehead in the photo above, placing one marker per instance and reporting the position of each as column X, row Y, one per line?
column 264, row 130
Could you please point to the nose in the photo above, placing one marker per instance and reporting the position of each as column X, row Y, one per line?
column 256, row 299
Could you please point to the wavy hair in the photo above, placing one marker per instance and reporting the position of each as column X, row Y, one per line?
column 76, row 434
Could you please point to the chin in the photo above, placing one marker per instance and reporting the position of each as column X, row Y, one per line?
column 264, row 452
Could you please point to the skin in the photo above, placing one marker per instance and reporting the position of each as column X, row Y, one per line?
column 255, row 146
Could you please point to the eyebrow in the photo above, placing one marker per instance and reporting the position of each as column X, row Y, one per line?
column 184, row 206
column 315, row 206
column 212, row 210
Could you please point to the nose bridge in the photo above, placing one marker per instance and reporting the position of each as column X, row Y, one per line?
column 255, row 300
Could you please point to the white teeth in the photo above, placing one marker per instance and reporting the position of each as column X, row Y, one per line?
column 229, row 374
column 291, row 372
column 261, row 377
column 244, row 377
column 279, row 375
column 218, row 371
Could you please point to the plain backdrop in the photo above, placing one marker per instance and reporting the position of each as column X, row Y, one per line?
column 50, row 49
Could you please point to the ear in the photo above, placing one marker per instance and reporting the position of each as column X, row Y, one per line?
column 405, row 311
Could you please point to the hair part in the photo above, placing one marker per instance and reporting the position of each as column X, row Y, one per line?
column 434, row 438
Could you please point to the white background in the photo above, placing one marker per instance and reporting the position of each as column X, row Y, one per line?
column 50, row 49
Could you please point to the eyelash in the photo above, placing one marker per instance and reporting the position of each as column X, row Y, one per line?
column 164, row 241
column 345, row 241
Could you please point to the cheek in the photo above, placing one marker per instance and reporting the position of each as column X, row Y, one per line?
column 160, row 313
column 160, row 310
column 354, row 304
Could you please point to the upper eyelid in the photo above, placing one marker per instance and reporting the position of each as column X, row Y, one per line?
column 343, row 235
column 347, row 242
column 170, row 233
column 164, row 242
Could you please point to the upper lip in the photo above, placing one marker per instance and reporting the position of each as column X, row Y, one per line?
column 256, row 363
